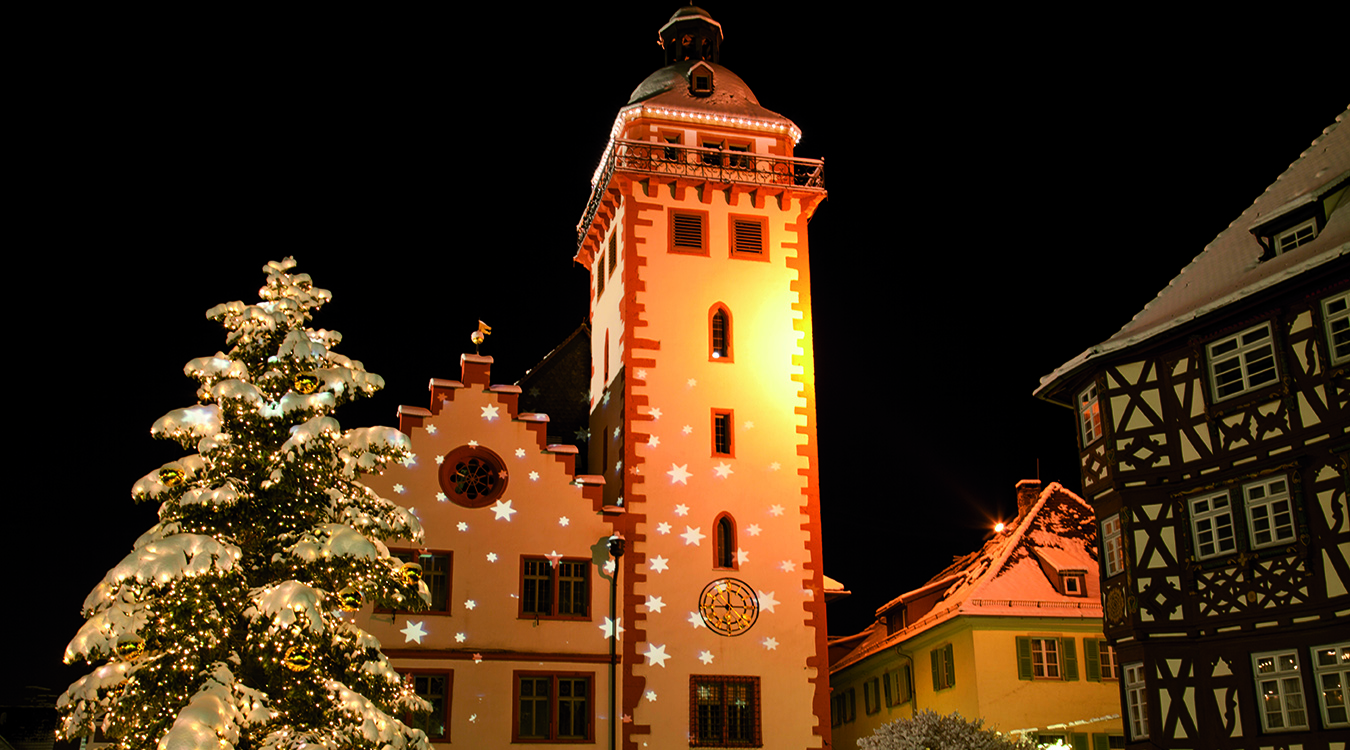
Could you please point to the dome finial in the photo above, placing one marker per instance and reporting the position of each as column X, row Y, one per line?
column 691, row 34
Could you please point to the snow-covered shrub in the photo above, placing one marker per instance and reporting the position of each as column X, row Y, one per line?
column 929, row 731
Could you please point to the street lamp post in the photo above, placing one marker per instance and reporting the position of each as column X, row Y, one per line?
column 616, row 549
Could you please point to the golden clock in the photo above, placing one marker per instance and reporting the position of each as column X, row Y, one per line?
column 728, row 606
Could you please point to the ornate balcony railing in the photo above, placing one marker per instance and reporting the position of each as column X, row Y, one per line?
column 711, row 164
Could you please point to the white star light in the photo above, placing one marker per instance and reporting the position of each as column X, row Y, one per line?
column 609, row 627
column 459, row 637
column 749, row 425
column 520, row 453
column 554, row 557
column 617, row 430
column 679, row 474
column 563, row 520
column 788, row 566
column 654, row 603
column 693, row 536
column 688, row 429
column 503, row 510
column 766, row 601
column 473, row 718
column 770, row 643
column 695, row 620
column 490, row 413
column 400, row 489
column 653, row 441
column 462, row 526
column 641, row 374
column 753, row 529
column 473, row 443
column 742, row 557
column 723, row 470
column 663, row 528
column 775, row 466
column 681, row 510
column 409, row 459
column 492, row 557
column 609, row 566
column 440, row 460
column 470, row 604
column 441, row 498
column 414, row 632
column 659, row 564
column 605, row 400
column 656, row 413
column 431, row 429
column 534, row 476
column 656, row 655
column 651, row 696
column 692, row 382
column 705, row 656
column 776, row 510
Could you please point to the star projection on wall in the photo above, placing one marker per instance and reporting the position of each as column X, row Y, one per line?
column 490, row 412
column 414, row 632
column 659, row 564
column 503, row 510
column 656, row 655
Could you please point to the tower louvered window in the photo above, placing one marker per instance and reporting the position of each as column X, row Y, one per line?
column 747, row 237
column 687, row 234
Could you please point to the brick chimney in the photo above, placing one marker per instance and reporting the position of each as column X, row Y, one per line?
column 1028, row 492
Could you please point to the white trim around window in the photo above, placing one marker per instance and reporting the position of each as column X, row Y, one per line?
column 1270, row 512
column 1212, row 525
column 1136, row 701
column 1279, row 691
column 1090, row 415
column 1336, row 318
column 1242, row 362
column 1113, row 545
column 1331, row 672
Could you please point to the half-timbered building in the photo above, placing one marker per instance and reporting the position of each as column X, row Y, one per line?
column 1212, row 432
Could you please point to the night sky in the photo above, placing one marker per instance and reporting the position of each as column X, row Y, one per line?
column 1001, row 197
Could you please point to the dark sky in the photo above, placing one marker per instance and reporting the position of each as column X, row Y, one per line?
column 1001, row 197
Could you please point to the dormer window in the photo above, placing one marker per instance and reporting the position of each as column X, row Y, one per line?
column 1073, row 584
column 1300, row 221
column 701, row 79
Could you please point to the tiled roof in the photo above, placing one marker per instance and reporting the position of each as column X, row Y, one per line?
column 1230, row 268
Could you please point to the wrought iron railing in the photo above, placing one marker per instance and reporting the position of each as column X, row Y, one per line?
column 716, row 165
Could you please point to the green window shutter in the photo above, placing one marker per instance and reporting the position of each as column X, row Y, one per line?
column 1080, row 741
column 886, row 681
column 1101, row 742
column 906, row 684
column 1092, row 655
column 951, row 665
column 936, row 655
column 1070, row 658
column 1023, row 657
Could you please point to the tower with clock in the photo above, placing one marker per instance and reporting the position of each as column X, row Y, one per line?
column 703, row 419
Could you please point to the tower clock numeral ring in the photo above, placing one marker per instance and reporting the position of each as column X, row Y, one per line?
column 728, row 606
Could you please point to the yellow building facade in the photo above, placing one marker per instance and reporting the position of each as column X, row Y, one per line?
column 1010, row 634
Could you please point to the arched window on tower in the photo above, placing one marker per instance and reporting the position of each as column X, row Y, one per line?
column 724, row 542
column 719, row 333
column 606, row 380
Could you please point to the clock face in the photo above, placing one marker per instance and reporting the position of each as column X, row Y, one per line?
column 728, row 606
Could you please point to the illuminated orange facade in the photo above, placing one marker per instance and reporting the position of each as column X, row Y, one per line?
column 701, row 458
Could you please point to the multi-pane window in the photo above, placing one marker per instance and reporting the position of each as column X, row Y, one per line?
column 1106, row 657
column 1295, row 236
column 554, row 589
column 722, row 433
column 553, row 707
column 1331, row 666
column 898, row 686
column 719, row 334
column 872, row 696
column 1241, row 362
column 435, row 574
column 739, row 158
column 944, row 667
column 1279, row 689
column 1336, row 317
column 1113, row 546
column 1212, row 525
column 434, row 689
column 1045, row 658
column 1090, row 415
column 724, row 711
column 1136, row 701
column 1270, row 513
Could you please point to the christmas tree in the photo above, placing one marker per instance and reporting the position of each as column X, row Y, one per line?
column 223, row 627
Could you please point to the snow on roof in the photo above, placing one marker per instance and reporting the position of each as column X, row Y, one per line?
column 1230, row 268
column 1005, row 577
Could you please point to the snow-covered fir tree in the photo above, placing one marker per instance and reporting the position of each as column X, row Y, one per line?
column 224, row 628
column 930, row 731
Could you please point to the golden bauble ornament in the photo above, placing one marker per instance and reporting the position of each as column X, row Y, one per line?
column 411, row 573
column 306, row 383
column 170, row 477
column 350, row 599
column 298, row 658
column 131, row 648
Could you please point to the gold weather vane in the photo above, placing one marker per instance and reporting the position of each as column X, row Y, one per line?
column 484, row 330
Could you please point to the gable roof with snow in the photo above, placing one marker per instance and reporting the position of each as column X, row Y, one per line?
column 1231, row 267
column 1008, row 576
